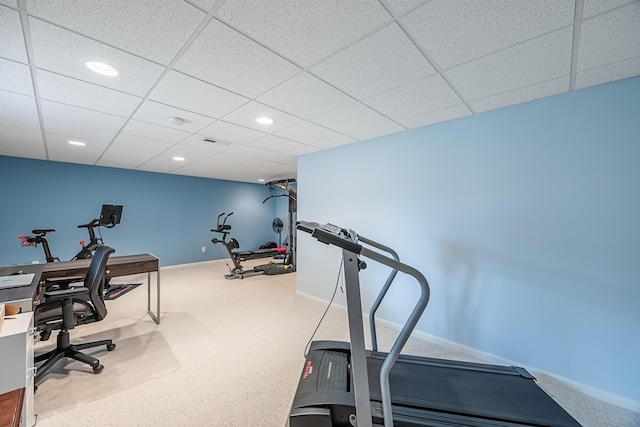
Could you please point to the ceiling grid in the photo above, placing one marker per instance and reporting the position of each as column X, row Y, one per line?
column 326, row 73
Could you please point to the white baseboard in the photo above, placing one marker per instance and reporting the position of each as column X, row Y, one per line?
column 585, row 389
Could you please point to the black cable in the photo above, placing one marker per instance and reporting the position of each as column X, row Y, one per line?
column 223, row 258
column 306, row 348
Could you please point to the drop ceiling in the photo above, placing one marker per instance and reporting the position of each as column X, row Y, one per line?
column 327, row 72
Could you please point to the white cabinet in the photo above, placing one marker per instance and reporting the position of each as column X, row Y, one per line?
column 16, row 356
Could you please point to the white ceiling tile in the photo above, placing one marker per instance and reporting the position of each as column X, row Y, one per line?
column 198, row 168
column 304, row 31
column 529, row 93
column 128, row 151
column 12, row 46
column 388, row 58
column 229, row 161
column 305, row 149
column 420, row 97
column 247, row 114
column 611, row 37
column 115, row 159
column 450, row 113
column 226, row 58
column 19, row 148
column 308, row 133
column 203, row 4
column 275, row 143
column 195, row 95
column 18, row 110
column 457, row 31
column 315, row 136
column 378, row 131
column 59, row 149
column 158, row 164
column 21, row 142
column 21, row 133
column 159, row 114
column 148, row 130
column 352, row 119
column 155, row 30
column 594, row 7
column 306, row 96
column 189, row 152
column 538, row 60
column 16, row 77
column 86, row 125
column 401, row 6
column 263, row 155
column 224, row 131
column 64, row 52
column 335, row 142
column 67, row 90
column 135, row 144
column 13, row 3
column 608, row 73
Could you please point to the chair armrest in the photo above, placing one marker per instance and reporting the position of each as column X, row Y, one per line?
column 66, row 293
column 63, row 282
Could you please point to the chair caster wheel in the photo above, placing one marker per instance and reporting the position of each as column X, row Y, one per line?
column 97, row 369
column 111, row 347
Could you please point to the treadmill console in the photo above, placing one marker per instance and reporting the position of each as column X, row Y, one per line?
column 331, row 235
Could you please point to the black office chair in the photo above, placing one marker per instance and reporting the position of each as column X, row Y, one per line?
column 65, row 309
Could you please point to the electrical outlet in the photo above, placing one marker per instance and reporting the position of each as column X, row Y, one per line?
column 204, row 249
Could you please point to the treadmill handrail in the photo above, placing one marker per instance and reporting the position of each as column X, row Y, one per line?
column 406, row 331
column 383, row 291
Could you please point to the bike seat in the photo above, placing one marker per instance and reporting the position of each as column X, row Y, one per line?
column 39, row 231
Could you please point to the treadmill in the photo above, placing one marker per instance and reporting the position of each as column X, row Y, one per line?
column 343, row 384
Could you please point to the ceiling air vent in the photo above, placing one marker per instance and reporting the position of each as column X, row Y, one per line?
column 213, row 141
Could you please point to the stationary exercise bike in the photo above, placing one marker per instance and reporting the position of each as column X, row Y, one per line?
column 268, row 250
column 109, row 217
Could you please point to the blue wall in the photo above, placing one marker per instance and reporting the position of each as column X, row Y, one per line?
column 168, row 215
column 525, row 221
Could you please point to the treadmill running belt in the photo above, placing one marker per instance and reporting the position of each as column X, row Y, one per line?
column 471, row 392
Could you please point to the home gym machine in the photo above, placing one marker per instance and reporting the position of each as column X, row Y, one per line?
column 284, row 188
column 343, row 384
column 268, row 250
column 285, row 254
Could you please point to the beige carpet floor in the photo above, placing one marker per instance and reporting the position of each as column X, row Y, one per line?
column 227, row 353
column 139, row 358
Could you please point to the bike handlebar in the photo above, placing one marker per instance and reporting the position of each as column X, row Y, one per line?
column 94, row 223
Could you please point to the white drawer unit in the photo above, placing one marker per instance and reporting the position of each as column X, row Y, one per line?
column 16, row 353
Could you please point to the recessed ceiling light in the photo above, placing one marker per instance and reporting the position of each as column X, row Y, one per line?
column 261, row 180
column 178, row 159
column 102, row 68
column 80, row 143
column 264, row 120
column 178, row 121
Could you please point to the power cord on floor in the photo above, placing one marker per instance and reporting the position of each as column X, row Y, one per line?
column 306, row 349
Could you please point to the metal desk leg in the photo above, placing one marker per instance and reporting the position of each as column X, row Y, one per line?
column 155, row 317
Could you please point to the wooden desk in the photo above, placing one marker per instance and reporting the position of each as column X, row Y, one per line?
column 116, row 266
column 11, row 408
column 23, row 296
